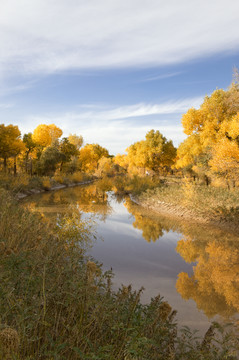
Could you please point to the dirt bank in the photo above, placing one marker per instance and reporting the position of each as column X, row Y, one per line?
column 184, row 213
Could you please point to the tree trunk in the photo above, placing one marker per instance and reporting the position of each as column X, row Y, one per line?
column 5, row 164
column 26, row 163
column 31, row 167
column 15, row 166
column 206, row 180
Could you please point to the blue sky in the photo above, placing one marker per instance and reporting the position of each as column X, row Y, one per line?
column 111, row 70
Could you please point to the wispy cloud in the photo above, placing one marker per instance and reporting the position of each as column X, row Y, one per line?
column 109, row 113
column 161, row 76
column 43, row 36
column 118, row 127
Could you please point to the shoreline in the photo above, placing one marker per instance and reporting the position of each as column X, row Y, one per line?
column 182, row 213
column 26, row 193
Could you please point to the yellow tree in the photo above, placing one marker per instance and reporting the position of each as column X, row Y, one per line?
column 225, row 159
column 121, row 161
column 90, row 155
column 215, row 121
column 105, row 166
column 76, row 140
column 153, row 153
column 11, row 144
column 46, row 135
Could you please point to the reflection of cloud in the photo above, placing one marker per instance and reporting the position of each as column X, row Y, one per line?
column 47, row 36
column 114, row 226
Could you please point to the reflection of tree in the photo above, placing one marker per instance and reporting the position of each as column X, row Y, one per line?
column 89, row 199
column 152, row 228
column 214, row 286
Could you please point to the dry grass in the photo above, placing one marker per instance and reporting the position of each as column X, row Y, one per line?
column 203, row 200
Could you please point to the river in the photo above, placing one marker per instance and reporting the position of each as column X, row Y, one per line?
column 194, row 267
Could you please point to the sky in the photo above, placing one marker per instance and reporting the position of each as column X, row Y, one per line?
column 111, row 70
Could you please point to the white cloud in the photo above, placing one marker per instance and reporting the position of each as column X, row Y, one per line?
column 47, row 36
column 109, row 113
column 116, row 128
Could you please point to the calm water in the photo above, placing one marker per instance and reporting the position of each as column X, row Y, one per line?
column 195, row 268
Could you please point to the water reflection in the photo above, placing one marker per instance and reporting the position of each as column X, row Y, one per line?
column 212, row 283
column 88, row 199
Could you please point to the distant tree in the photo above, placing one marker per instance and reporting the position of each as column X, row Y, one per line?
column 50, row 158
column 76, row 140
column 46, row 135
column 30, row 147
column 11, row 144
column 153, row 153
column 90, row 155
column 68, row 150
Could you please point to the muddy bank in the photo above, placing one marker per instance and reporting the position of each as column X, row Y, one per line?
column 180, row 212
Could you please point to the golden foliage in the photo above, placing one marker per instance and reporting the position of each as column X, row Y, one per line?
column 213, row 134
column 153, row 153
column 214, row 284
column 90, row 155
column 45, row 135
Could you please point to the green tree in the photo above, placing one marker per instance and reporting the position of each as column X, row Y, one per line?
column 67, row 150
column 30, row 147
column 50, row 158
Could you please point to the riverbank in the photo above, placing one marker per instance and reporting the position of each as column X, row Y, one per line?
column 24, row 194
column 206, row 205
column 23, row 185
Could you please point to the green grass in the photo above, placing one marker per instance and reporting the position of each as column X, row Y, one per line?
column 62, row 305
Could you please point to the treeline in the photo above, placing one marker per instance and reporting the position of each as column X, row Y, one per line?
column 210, row 152
column 44, row 152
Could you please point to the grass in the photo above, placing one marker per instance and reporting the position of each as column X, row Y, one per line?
column 60, row 303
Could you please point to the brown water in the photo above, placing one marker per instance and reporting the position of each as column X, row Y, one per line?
column 194, row 267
